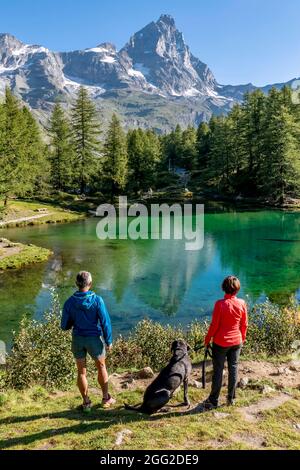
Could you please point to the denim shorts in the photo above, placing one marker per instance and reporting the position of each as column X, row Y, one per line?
column 83, row 345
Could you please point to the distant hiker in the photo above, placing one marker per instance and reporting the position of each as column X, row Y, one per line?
column 228, row 330
column 86, row 313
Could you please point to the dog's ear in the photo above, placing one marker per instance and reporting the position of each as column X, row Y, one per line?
column 188, row 347
column 174, row 346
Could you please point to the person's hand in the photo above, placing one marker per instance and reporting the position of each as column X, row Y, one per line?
column 109, row 347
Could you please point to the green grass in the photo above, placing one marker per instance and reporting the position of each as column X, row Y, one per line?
column 18, row 209
column 37, row 419
column 28, row 254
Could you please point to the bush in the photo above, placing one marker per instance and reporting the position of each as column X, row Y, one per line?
column 125, row 355
column 41, row 354
column 272, row 329
column 154, row 341
column 149, row 344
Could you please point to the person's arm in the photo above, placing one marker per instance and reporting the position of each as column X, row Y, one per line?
column 214, row 323
column 66, row 320
column 105, row 322
column 244, row 323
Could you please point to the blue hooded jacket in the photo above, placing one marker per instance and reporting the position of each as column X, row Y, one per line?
column 87, row 314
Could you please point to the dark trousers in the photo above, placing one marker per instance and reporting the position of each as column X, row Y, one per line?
column 219, row 355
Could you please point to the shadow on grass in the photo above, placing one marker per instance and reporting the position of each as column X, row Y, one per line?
column 98, row 419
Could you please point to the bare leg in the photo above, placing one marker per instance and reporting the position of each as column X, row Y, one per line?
column 102, row 377
column 82, row 380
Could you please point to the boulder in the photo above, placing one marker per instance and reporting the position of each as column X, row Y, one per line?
column 121, row 435
column 243, row 383
column 195, row 383
column 145, row 373
column 266, row 389
column 295, row 366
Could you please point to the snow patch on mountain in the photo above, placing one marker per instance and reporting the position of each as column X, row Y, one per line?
column 108, row 59
column 73, row 83
column 135, row 73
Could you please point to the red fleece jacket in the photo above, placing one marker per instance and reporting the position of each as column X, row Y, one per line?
column 229, row 322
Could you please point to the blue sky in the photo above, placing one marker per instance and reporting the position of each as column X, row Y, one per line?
column 242, row 41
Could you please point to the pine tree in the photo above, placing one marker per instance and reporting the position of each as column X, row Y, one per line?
column 152, row 158
column 144, row 154
column 61, row 150
column 188, row 150
column 173, row 145
column 203, row 145
column 86, row 134
column 254, row 128
column 115, row 163
column 136, row 152
column 280, row 173
column 218, row 169
column 237, row 149
column 22, row 151
column 37, row 179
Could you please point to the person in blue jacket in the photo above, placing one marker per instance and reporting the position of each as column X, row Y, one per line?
column 86, row 314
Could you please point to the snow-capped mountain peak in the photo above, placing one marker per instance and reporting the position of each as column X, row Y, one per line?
column 155, row 67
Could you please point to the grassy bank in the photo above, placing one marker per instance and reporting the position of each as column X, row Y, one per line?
column 39, row 403
column 45, row 420
column 17, row 255
column 21, row 213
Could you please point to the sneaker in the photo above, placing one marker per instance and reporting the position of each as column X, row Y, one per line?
column 108, row 402
column 86, row 407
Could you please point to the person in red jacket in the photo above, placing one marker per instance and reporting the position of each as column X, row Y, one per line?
column 228, row 331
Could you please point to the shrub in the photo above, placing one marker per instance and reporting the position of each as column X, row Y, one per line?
column 154, row 341
column 125, row 354
column 272, row 329
column 41, row 354
column 3, row 399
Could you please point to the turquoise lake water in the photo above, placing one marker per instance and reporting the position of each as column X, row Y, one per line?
column 157, row 278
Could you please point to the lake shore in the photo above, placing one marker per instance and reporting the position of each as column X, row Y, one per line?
column 21, row 213
column 18, row 255
column 265, row 415
column 39, row 393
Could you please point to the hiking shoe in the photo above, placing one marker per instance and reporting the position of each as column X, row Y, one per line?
column 86, row 407
column 108, row 402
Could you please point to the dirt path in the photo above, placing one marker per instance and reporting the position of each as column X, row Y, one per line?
column 252, row 412
column 24, row 219
column 7, row 249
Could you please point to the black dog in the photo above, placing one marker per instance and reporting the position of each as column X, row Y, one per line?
column 161, row 390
